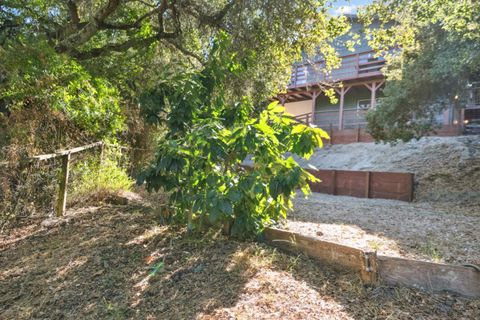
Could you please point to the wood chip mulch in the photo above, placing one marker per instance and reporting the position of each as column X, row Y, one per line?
column 118, row 262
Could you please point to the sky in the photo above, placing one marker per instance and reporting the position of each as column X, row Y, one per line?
column 348, row 6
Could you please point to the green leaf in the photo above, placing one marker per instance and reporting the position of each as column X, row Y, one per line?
column 298, row 128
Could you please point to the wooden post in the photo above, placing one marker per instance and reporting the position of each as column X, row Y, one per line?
column 334, row 182
column 62, row 190
column 373, row 90
column 373, row 95
column 369, row 271
column 367, row 184
column 358, row 133
column 412, row 187
column 314, row 104
column 462, row 119
column 340, row 112
column 341, row 92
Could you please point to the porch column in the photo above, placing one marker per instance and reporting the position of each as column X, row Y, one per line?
column 447, row 116
column 373, row 90
column 314, row 104
column 341, row 92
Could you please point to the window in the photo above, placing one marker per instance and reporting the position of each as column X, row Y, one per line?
column 363, row 104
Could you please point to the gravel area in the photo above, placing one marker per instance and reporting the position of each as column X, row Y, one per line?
column 425, row 231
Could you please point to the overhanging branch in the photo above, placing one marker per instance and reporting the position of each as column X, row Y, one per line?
column 120, row 47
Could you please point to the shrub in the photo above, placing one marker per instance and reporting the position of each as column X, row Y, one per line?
column 208, row 137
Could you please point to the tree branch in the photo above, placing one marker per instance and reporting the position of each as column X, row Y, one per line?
column 120, row 47
column 215, row 19
column 185, row 51
column 89, row 30
column 160, row 10
column 73, row 12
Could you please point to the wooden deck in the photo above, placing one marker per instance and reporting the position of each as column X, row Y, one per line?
column 353, row 67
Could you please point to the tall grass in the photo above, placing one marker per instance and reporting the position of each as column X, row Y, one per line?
column 95, row 179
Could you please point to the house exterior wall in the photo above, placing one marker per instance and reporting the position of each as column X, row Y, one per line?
column 299, row 107
column 360, row 72
column 350, row 100
column 327, row 114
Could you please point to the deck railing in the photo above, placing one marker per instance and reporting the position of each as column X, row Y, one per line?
column 356, row 65
column 352, row 118
column 474, row 97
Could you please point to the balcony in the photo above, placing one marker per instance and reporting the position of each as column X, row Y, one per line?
column 353, row 66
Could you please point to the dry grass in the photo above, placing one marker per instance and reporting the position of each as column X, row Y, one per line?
column 117, row 262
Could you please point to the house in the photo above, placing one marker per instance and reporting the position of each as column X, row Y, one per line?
column 361, row 74
column 471, row 114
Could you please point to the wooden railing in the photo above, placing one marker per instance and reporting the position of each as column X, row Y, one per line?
column 304, row 118
column 61, row 204
column 352, row 118
column 356, row 65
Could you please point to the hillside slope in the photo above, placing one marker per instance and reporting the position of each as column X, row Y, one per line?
column 446, row 168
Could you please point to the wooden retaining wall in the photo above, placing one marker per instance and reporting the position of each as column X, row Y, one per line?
column 331, row 253
column 365, row 184
column 373, row 269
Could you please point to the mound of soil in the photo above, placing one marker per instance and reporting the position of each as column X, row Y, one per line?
column 447, row 169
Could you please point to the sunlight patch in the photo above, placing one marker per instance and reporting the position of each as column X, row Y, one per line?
column 148, row 234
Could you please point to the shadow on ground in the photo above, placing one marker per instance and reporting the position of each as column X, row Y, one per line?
column 116, row 262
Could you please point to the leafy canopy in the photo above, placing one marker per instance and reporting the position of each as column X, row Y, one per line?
column 436, row 54
column 208, row 137
column 91, row 60
column 121, row 39
column 40, row 77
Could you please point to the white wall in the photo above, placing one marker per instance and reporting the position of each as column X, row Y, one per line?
column 299, row 107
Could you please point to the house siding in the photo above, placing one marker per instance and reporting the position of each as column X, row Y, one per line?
column 327, row 114
column 299, row 107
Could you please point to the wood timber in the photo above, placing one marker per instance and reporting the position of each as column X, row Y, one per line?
column 326, row 252
column 65, row 152
column 430, row 276
column 62, row 188
column 373, row 269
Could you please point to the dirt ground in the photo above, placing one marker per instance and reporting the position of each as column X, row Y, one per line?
column 118, row 262
column 440, row 232
column 447, row 169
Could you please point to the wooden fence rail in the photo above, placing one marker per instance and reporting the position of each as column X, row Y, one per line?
column 60, row 206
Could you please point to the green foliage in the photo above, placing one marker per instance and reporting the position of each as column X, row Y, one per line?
column 439, row 56
column 199, row 162
column 38, row 76
column 92, row 178
column 131, row 40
